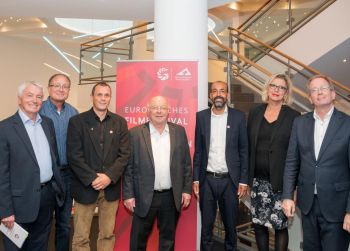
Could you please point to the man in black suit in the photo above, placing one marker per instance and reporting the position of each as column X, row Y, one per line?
column 158, row 179
column 318, row 163
column 29, row 177
column 220, row 165
column 98, row 151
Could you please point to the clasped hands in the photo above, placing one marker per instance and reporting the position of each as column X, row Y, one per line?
column 101, row 181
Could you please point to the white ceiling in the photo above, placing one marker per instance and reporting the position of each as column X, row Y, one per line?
column 98, row 9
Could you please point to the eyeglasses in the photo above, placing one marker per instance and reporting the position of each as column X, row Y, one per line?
column 323, row 89
column 156, row 108
column 58, row 87
column 278, row 87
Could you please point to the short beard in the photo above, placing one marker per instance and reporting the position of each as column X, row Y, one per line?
column 219, row 105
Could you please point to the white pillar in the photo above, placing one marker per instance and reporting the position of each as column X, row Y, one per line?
column 181, row 33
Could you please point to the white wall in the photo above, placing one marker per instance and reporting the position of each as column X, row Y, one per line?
column 23, row 59
column 321, row 34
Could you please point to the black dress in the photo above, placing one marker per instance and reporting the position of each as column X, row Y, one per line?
column 266, row 205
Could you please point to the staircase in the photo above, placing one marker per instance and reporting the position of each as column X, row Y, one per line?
column 243, row 98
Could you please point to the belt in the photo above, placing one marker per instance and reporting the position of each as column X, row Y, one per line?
column 42, row 185
column 217, row 175
column 163, row 190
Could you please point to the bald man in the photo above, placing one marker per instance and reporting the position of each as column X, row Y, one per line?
column 157, row 181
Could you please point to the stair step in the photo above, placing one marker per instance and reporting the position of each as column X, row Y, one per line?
column 242, row 97
column 236, row 88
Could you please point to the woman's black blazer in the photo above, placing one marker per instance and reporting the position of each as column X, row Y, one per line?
column 278, row 144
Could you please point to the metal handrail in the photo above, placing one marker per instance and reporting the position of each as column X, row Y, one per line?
column 308, row 68
column 255, row 65
column 101, row 42
column 293, row 27
column 118, row 32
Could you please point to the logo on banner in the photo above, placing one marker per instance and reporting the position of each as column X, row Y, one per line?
column 163, row 74
column 184, row 74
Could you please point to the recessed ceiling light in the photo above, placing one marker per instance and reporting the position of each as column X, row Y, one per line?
column 56, row 69
column 60, row 53
column 345, row 60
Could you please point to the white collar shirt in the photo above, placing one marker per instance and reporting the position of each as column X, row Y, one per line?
column 320, row 130
column 217, row 157
column 161, row 157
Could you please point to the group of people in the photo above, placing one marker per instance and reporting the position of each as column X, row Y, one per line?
column 303, row 160
column 50, row 154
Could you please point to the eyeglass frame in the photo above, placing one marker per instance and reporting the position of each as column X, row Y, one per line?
column 323, row 89
column 59, row 86
column 278, row 87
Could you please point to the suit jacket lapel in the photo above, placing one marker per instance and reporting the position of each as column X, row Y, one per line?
column 22, row 133
column 207, row 129
column 172, row 142
column 47, row 132
column 228, row 126
column 333, row 126
column 257, row 124
column 48, row 135
column 147, row 138
column 309, row 130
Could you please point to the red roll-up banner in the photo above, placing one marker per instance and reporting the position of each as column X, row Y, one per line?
column 137, row 82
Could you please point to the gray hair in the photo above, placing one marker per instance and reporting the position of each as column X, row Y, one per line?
column 24, row 85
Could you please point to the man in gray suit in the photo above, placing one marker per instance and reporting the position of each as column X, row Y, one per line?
column 157, row 181
column 318, row 163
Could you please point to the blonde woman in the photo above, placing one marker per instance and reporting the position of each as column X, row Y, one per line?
column 269, row 128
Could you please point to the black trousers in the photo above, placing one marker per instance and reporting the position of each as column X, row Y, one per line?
column 218, row 191
column 163, row 207
column 320, row 234
column 39, row 230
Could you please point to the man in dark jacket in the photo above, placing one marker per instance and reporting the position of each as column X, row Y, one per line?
column 98, row 151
